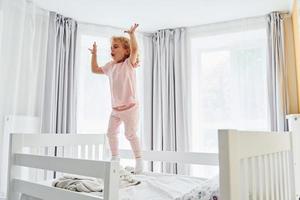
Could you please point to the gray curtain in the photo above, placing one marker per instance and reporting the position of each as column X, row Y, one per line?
column 169, row 129
column 277, row 73
column 59, row 109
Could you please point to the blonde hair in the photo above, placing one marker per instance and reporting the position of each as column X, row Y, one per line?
column 124, row 41
column 126, row 45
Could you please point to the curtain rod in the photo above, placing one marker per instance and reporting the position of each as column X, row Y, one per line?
column 284, row 14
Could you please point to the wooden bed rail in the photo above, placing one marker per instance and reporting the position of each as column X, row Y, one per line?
column 108, row 170
column 41, row 139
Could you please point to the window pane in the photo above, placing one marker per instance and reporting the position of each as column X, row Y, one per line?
column 229, row 87
column 93, row 104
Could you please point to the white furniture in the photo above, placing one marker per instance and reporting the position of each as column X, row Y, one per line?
column 256, row 165
column 14, row 124
column 253, row 165
column 294, row 126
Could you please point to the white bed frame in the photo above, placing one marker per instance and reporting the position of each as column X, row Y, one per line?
column 253, row 165
column 14, row 124
column 256, row 165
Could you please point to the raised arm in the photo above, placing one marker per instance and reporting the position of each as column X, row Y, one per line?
column 133, row 45
column 95, row 68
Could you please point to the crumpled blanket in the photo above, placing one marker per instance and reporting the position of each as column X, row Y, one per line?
column 79, row 183
column 88, row 184
column 208, row 191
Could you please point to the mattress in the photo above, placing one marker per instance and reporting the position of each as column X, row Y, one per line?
column 158, row 186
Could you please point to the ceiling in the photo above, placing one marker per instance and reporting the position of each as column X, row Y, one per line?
column 153, row 15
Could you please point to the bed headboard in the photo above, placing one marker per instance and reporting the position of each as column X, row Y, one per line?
column 14, row 124
column 294, row 126
column 256, row 165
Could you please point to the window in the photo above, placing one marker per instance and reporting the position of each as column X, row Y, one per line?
column 93, row 104
column 229, row 87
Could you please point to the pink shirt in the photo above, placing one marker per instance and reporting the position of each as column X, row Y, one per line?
column 122, row 81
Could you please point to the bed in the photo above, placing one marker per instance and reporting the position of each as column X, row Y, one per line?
column 252, row 165
column 14, row 124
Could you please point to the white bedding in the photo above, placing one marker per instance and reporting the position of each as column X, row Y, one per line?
column 157, row 186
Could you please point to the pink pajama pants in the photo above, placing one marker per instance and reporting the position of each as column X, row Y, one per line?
column 130, row 118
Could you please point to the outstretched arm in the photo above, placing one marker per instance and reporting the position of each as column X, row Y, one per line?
column 95, row 68
column 133, row 45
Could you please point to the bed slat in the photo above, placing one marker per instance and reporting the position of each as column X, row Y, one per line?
column 48, row 192
column 37, row 140
column 179, row 157
column 69, row 165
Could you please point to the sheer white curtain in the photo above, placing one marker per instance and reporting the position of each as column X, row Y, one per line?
column 93, row 95
column 229, row 82
column 23, row 40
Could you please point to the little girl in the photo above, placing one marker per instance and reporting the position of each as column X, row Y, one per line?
column 122, row 79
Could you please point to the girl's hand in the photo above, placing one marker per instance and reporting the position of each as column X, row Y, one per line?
column 132, row 29
column 94, row 49
column 137, row 63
